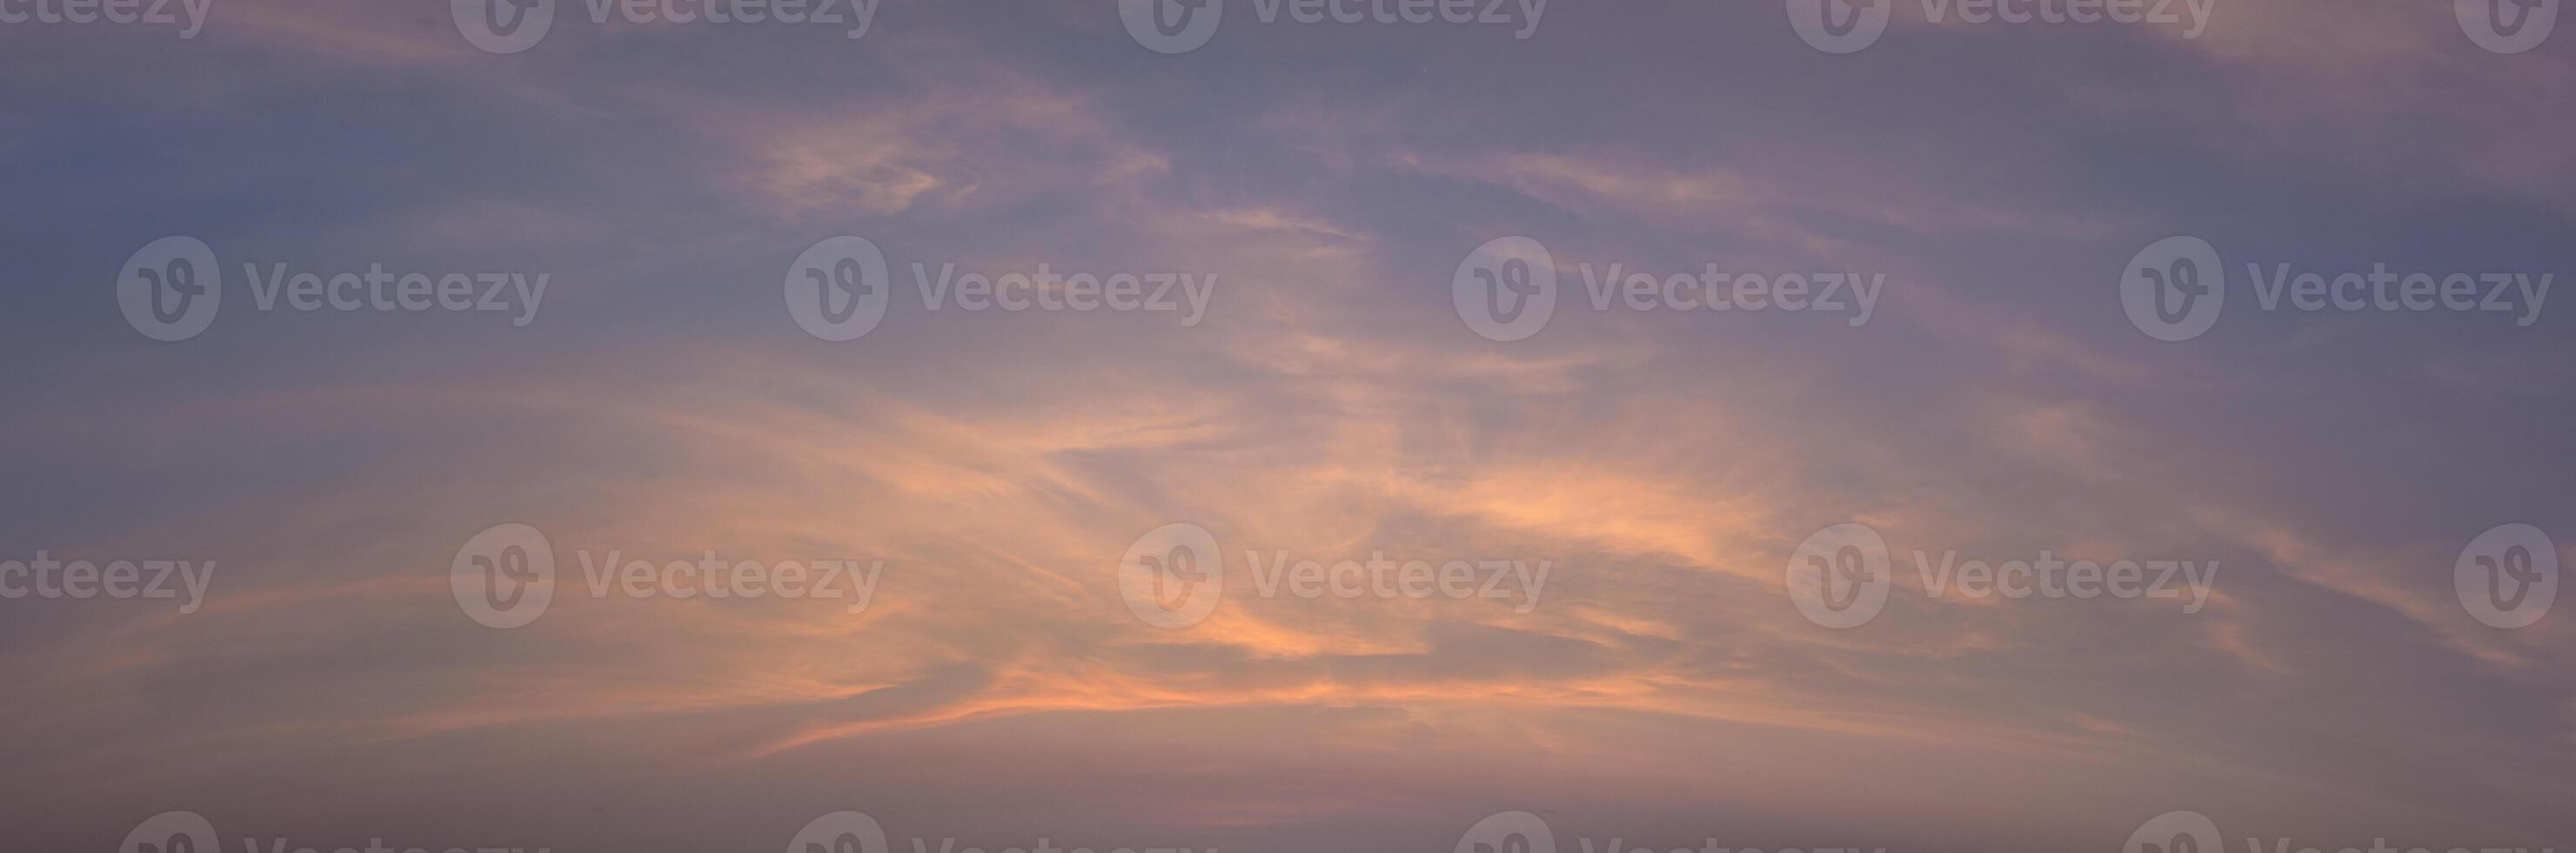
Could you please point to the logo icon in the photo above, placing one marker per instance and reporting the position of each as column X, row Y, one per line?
column 1508, row 832
column 1505, row 289
column 1839, row 577
column 1171, row 26
column 2506, row 26
column 2174, row 288
column 504, row 576
column 840, row 832
column 171, row 832
column 1172, row 577
column 838, row 289
column 503, row 26
column 170, row 288
column 1840, row 26
column 2175, row 832
column 2508, row 576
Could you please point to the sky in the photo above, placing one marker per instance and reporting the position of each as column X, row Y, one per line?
column 1287, row 432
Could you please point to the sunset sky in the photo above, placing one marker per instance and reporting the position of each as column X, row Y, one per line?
column 990, row 473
